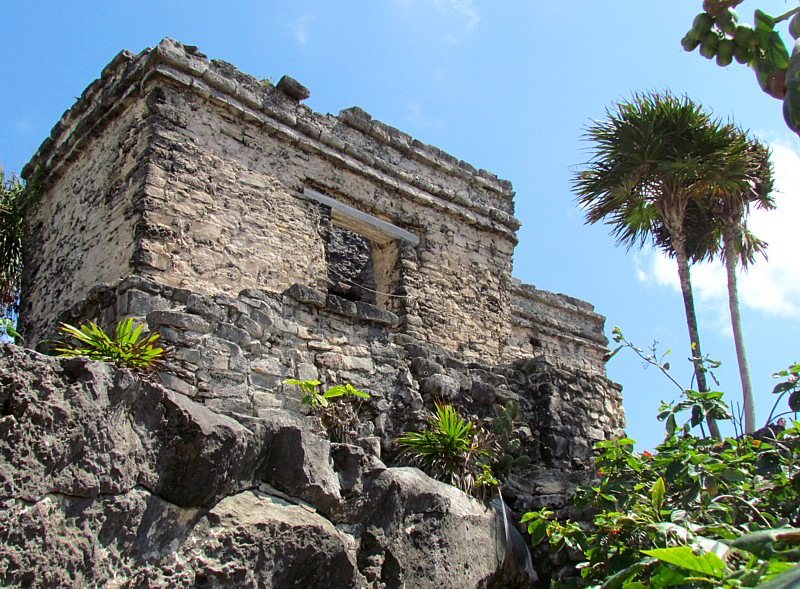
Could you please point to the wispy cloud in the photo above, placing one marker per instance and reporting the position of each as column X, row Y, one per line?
column 301, row 28
column 455, row 18
column 23, row 126
column 417, row 117
column 771, row 286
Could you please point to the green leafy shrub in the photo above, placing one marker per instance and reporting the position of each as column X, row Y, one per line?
column 695, row 513
column 127, row 348
column 452, row 450
column 12, row 207
column 791, row 387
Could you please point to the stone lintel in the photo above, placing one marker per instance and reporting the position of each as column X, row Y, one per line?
column 377, row 230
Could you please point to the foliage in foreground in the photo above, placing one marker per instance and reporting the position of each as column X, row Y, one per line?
column 7, row 329
column 11, row 226
column 126, row 349
column 695, row 513
column 453, row 450
column 718, row 33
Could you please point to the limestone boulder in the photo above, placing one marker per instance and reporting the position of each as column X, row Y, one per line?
column 111, row 481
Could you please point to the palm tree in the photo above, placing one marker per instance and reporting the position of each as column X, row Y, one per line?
column 653, row 159
column 730, row 210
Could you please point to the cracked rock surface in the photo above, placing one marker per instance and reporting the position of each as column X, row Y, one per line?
column 110, row 481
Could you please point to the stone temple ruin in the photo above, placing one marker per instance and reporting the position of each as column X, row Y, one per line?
column 264, row 241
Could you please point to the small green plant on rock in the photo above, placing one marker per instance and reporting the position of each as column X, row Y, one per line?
column 126, row 349
column 315, row 397
column 503, row 428
column 452, row 450
column 7, row 329
column 340, row 420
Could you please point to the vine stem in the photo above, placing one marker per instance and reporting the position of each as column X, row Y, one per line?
column 739, row 499
column 649, row 361
column 787, row 15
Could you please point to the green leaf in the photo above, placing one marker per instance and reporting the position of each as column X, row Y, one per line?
column 782, row 387
column 335, row 391
column 787, row 580
column 625, row 575
column 538, row 530
column 356, row 392
column 791, row 102
column 657, row 494
column 666, row 577
column 706, row 564
column 765, row 25
column 794, row 401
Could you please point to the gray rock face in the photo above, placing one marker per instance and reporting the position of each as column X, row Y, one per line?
column 110, row 481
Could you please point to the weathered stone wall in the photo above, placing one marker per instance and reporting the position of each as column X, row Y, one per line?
column 233, row 354
column 84, row 229
column 194, row 198
column 220, row 171
column 566, row 330
column 227, row 157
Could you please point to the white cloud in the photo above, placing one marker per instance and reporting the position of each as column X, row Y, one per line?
column 417, row 118
column 23, row 126
column 461, row 13
column 771, row 286
column 301, row 30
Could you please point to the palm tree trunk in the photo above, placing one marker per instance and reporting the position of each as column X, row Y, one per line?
column 691, row 322
column 738, row 335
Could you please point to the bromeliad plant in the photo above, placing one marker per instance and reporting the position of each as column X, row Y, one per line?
column 126, row 349
column 452, row 450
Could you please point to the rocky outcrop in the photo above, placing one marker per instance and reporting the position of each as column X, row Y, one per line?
column 107, row 480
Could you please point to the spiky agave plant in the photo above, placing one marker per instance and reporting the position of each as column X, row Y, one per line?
column 452, row 449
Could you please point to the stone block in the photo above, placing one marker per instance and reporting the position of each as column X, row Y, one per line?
column 250, row 326
column 263, row 401
column 267, row 382
column 341, row 306
column 355, row 363
column 233, row 334
column 307, row 372
column 333, row 360
column 205, row 307
column 440, row 386
column 178, row 385
column 139, row 303
column 305, row 294
column 179, row 320
column 374, row 314
column 268, row 366
column 423, row 367
column 483, row 394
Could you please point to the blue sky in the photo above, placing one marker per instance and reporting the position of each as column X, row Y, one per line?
column 508, row 86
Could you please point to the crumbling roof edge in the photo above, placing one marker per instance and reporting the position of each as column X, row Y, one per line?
column 123, row 76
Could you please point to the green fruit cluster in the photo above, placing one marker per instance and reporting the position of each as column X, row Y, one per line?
column 721, row 37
